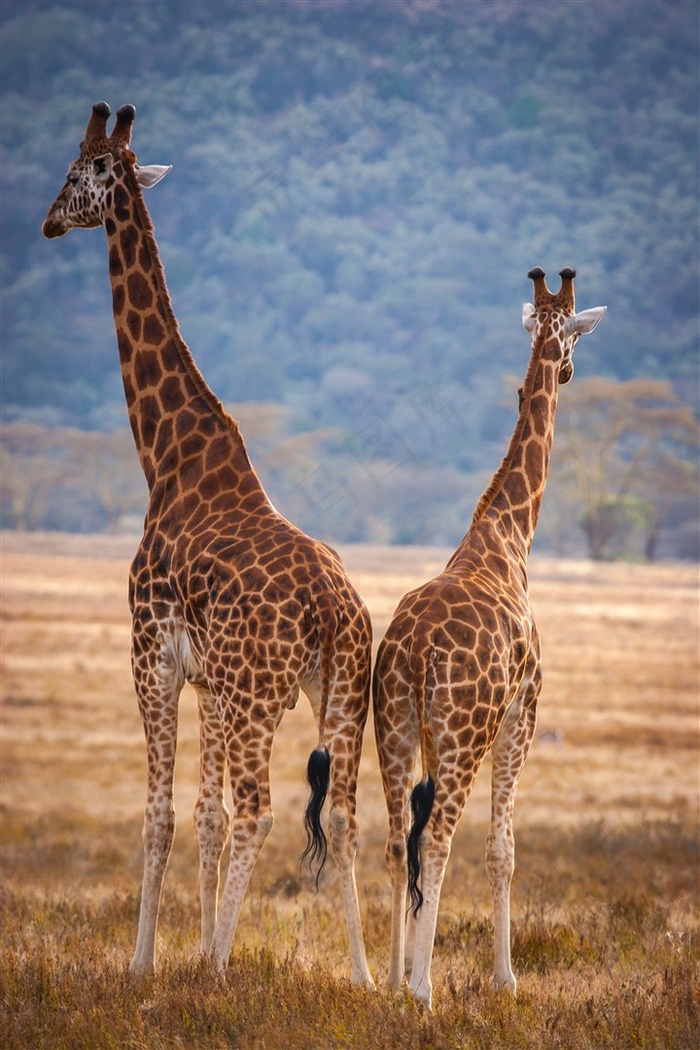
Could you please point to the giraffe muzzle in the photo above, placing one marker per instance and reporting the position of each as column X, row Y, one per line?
column 54, row 225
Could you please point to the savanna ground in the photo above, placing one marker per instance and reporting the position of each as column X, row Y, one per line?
column 606, row 929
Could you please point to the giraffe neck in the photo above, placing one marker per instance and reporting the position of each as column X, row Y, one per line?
column 513, row 499
column 172, row 411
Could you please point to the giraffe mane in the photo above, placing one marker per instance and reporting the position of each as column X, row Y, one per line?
column 525, row 401
column 158, row 273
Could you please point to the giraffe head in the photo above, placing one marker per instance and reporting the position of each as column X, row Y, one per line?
column 554, row 315
column 90, row 182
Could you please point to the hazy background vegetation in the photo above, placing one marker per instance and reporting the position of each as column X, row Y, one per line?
column 358, row 191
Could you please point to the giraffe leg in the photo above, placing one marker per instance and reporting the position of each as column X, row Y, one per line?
column 396, row 863
column 410, row 946
column 343, row 839
column 247, row 837
column 343, row 836
column 211, row 818
column 252, row 821
column 394, row 720
column 434, row 847
column 434, row 857
column 509, row 752
column 402, row 927
column 343, row 731
column 158, row 686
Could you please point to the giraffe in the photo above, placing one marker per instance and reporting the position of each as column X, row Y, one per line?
column 458, row 671
column 224, row 592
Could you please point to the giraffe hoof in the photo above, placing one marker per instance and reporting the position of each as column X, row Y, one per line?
column 508, row 984
column 423, row 995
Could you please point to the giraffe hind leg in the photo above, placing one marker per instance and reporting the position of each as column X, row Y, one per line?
column 344, row 730
column 395, row 854
column 435, row 844
column 249, row 771
column 211, row 818
column 410, row 942
column 434, row 861
column 343, row 834
column 333, row 771
column 401, row 944
column 248, row 833
column 392, row 709
column 509, row 752
column 421, row 804
column 159, row 710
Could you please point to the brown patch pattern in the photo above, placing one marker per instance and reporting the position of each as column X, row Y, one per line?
column 458, row 672
column 224, row 592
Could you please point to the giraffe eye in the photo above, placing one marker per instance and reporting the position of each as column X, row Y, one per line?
column 73, row 180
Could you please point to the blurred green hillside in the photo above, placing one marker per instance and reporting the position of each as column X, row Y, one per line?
column 358, row 191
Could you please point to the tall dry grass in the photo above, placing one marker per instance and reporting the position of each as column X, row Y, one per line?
column 605, row 896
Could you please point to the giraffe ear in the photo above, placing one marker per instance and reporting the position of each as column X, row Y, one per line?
column 151, row 174
column 529, row 320
column 585, row 321
column 102, row 167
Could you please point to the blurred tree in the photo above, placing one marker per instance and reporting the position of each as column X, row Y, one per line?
column 669, row 481
column 28, row 472
column 631, row 450
column 105, row 465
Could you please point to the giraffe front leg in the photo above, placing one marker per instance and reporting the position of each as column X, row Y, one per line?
column 211, row 817
column 158, row 704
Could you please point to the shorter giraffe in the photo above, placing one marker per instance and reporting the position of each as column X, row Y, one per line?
column 458, row 671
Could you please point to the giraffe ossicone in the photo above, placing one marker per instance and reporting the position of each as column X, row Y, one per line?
column 224, row 592
column 458, row 671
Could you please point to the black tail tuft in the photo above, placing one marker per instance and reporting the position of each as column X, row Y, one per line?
column 318, row 775
column 422, row 798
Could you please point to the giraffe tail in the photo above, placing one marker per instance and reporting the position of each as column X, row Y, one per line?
column 423, row 794
column 318, row 773
column 324, row 611
column 422, row 798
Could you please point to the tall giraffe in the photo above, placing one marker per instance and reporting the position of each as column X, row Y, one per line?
column 224, row 592
column 458, row 671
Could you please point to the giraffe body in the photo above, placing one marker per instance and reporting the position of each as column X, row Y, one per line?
column 224, row 592
column 458, row 672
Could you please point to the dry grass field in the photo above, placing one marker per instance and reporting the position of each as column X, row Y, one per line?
column 605, row 895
